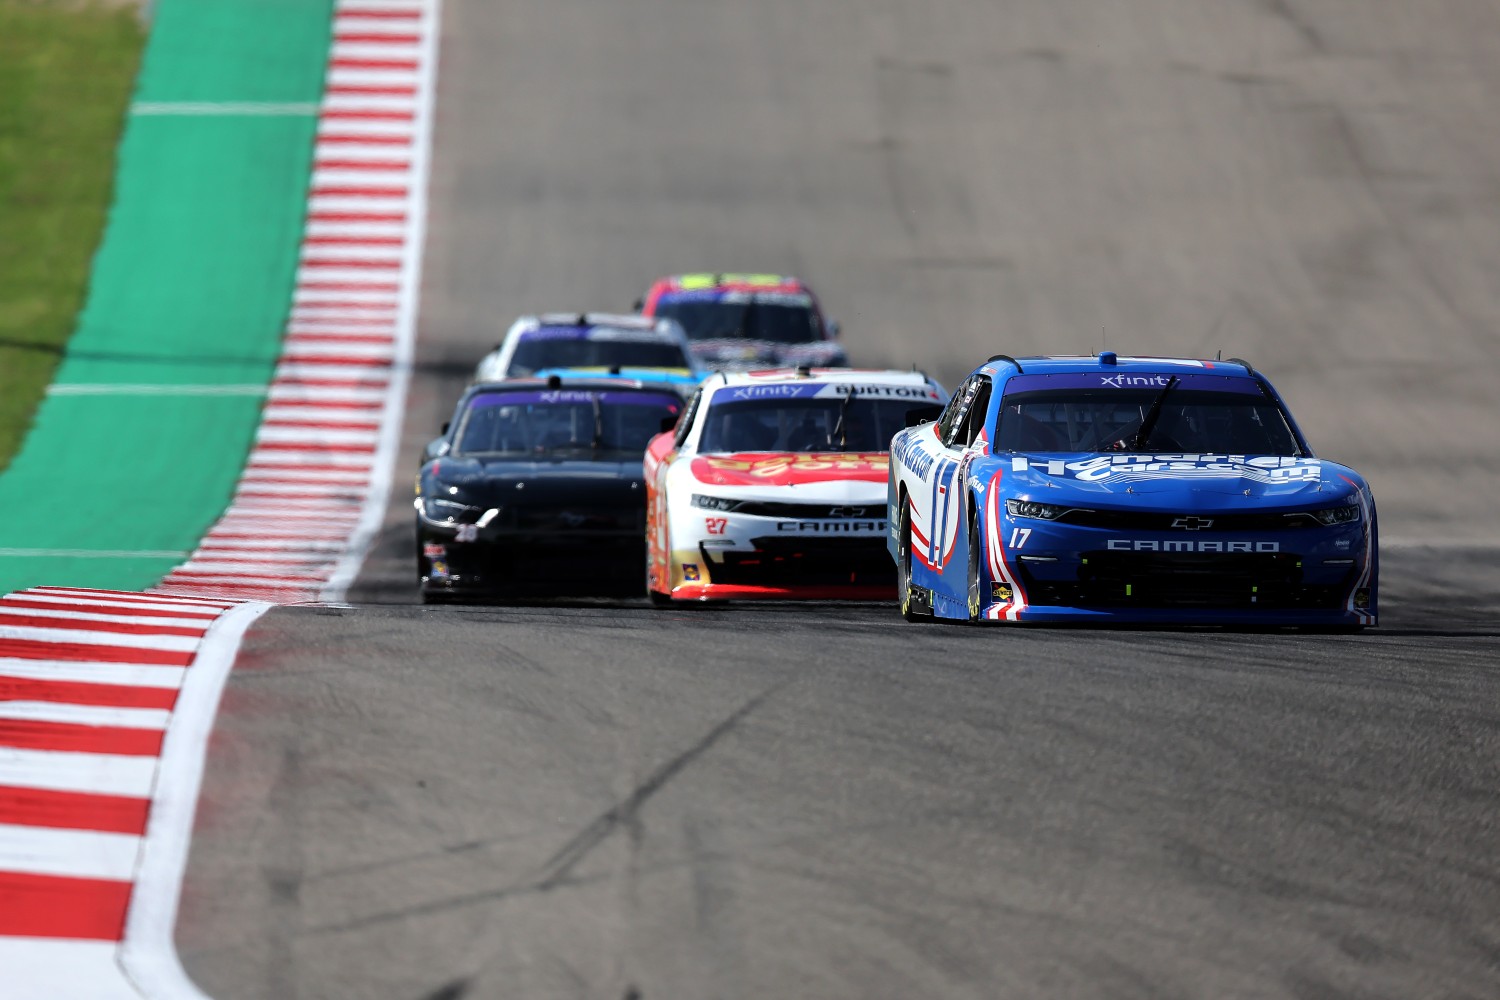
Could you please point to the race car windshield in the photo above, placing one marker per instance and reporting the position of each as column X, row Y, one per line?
column 1186, row 422
column 566, row 423
column 756, row 319
column 804, row 425
column 534, row 355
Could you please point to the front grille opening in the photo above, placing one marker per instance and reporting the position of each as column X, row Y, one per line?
column 1244, row 580
column 786, row 562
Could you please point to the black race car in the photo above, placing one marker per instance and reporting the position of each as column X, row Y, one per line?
column 536, row 487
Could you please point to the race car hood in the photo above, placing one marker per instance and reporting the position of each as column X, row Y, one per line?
column 735, row 354
column 1197, row 482
column 562, row 482
column 836, row 477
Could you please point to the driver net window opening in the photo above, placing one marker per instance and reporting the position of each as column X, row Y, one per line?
column 825, row 425
column 777, row 322
column 534, row 355
column 1189, row 422
column 533, row 429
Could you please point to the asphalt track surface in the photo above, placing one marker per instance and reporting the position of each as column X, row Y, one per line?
column 595, row 799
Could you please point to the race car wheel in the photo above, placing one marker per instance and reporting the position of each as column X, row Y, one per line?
column 976, row 607
column 903, row 567
column 656, row 597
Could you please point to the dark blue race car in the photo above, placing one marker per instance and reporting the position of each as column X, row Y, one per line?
column 537, row 486
column 1119, row 489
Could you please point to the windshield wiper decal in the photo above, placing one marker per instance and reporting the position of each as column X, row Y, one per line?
column 1149, row 423
column 598, row 422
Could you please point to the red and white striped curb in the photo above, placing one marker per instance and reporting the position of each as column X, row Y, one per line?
column 311, row 498
column 107, row 698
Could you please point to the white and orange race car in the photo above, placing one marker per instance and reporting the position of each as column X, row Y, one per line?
column 772, row 485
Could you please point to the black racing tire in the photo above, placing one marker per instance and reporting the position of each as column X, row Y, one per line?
column 903, row 566
column 656, row 597
column 422, row 594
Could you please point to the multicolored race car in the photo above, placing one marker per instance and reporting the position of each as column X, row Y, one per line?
column 737, row 322
column 772, row 485
column 1127, row 489
column 573, row 344
column 536, row 485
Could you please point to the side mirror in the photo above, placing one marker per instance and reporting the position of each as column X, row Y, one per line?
column 668, row 424
column 444, row 429
column 436, row 448
column 834, row 329
column 638, row 305
column 922, row 415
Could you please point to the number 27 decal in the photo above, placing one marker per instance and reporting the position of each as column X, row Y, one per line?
column 1018, row 537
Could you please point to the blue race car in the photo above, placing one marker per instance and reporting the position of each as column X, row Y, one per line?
column 1127, row 490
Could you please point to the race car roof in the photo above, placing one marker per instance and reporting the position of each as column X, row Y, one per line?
column 743, row 282
column 1063, row 364
column 596, row 326
column 613, row 383
column 788, row 382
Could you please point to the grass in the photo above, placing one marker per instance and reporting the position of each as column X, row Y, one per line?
column 66, row 72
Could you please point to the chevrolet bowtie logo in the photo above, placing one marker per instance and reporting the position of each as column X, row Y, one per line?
column 1193, row 523
column 847, row 512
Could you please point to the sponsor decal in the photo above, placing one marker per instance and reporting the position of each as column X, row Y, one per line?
column 846, row 512
column 830, row 527
column 838, row 390
column 716, row 525
column 1001, row 591
column 791, row 469
column 826, row 390
column 576, row 397
column 910, row 453
column 1134, row 381
column 440, row 570
column 556, row 333
column 434, row 551
column 1203, row 381
column 798, row 391
column 1104, row 468
column 1186, row 545
column 690, row 572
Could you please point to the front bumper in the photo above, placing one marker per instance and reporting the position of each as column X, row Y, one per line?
column 1316, row 576
column 750, row 557
column 509, row 561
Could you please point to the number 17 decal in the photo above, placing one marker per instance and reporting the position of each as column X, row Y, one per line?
column 1018, row 537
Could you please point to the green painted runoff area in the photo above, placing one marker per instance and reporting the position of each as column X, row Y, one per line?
column 190, row 287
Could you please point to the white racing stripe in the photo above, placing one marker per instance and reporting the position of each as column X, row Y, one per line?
column 52, row 969
column 85, row 715
column 95, row 773
column 104, row 606
column 100, row 615
column 72, row 853
column 314, row 413
column 271, row 543
column 130, row 597
column 166, row 643
column 66, row 671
